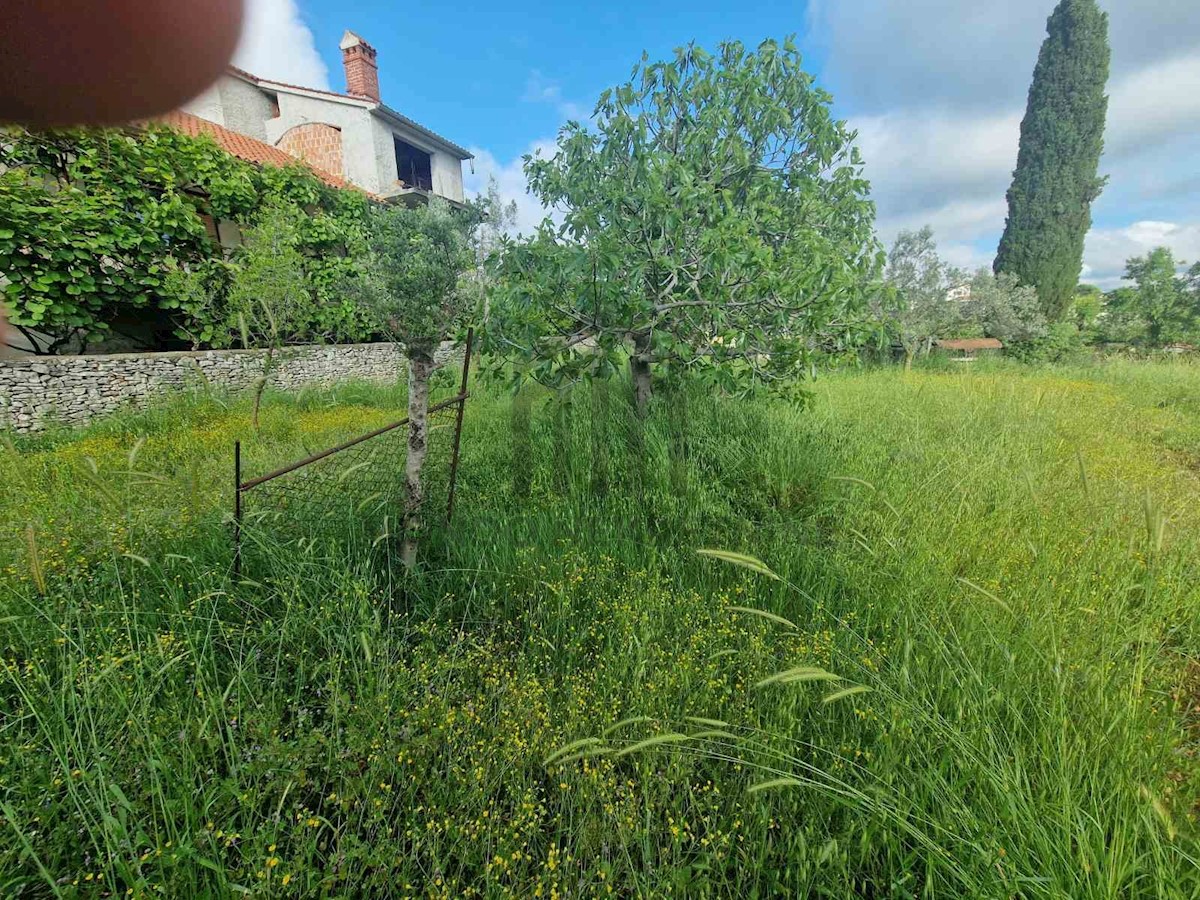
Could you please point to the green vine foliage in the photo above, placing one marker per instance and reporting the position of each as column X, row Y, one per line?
column 95, row 226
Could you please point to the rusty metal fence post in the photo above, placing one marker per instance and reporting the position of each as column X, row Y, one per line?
column 242, row 488
column 458, row 423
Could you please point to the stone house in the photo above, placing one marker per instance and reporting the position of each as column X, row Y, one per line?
column 352, row 135
column 348, row 140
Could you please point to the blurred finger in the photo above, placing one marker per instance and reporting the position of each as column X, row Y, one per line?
column 74, row 62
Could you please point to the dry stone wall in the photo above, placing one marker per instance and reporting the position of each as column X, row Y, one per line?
column 36, row 391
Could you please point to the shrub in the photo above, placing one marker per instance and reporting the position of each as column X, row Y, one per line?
column 92, row 224
column 1060, row 342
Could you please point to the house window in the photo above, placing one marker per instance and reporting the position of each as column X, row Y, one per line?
column 413, row 166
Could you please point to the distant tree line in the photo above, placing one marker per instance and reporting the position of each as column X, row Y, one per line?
column 923, row 300
column 1160, row 308
column 1033, row 302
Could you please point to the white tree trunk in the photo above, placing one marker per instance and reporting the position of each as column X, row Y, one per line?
column 419, row 370
column 261, row 384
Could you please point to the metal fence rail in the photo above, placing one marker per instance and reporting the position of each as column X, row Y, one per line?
column 362, row 476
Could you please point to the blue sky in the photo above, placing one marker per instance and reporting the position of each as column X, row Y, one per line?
column 506, row 73
column 936, row 89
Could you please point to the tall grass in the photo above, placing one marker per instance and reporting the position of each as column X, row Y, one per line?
column 947, row 646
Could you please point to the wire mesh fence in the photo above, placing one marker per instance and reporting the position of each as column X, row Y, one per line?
column 353, row 492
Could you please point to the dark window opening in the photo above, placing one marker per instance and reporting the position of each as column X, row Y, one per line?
column 413, row 166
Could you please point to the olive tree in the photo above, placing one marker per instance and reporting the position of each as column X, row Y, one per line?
column 915, row 303
column 711, row 217
column 270, row 298
column 1005, row 308
column 413, row 282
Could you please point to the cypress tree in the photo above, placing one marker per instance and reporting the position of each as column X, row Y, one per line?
column 1062, row 136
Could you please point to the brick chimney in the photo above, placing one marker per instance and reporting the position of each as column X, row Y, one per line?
column 358, row 58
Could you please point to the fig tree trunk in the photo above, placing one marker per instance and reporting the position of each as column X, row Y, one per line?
column 639, row 369
column 420, row 367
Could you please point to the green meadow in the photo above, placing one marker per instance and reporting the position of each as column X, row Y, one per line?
column 943, row 640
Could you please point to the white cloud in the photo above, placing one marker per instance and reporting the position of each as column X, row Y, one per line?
column 950, row 169
column 974, row 55
column 939, row 169
column 967, row 257
column 540, row 89
column 917, row 149
column 961, row 53
column 1107, row 249
column 510, row 180
column 1154, row 104
column 276, row 43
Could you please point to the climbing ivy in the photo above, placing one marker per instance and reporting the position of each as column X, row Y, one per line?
column 94, row 223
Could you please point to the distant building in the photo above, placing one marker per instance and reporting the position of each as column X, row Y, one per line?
column 967, row 348
column 960, row 292
column 351, row 135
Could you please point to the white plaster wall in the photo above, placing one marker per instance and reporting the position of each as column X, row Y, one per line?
column 236, row 105
column 358, row 138
column 385, row 156
column 247, row 108
column 208, row 105
column 447, row 176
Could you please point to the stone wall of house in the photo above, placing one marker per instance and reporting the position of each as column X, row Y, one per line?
column 36, row 391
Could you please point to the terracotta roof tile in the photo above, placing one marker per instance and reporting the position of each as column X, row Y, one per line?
column 971, row 344
column 247, row 148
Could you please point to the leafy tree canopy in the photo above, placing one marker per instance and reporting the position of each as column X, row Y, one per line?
column 270, row 300
column 417, row 258
column 1162, row 307
column 712, row 217
column 1005, row 309
column 1086, row 306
